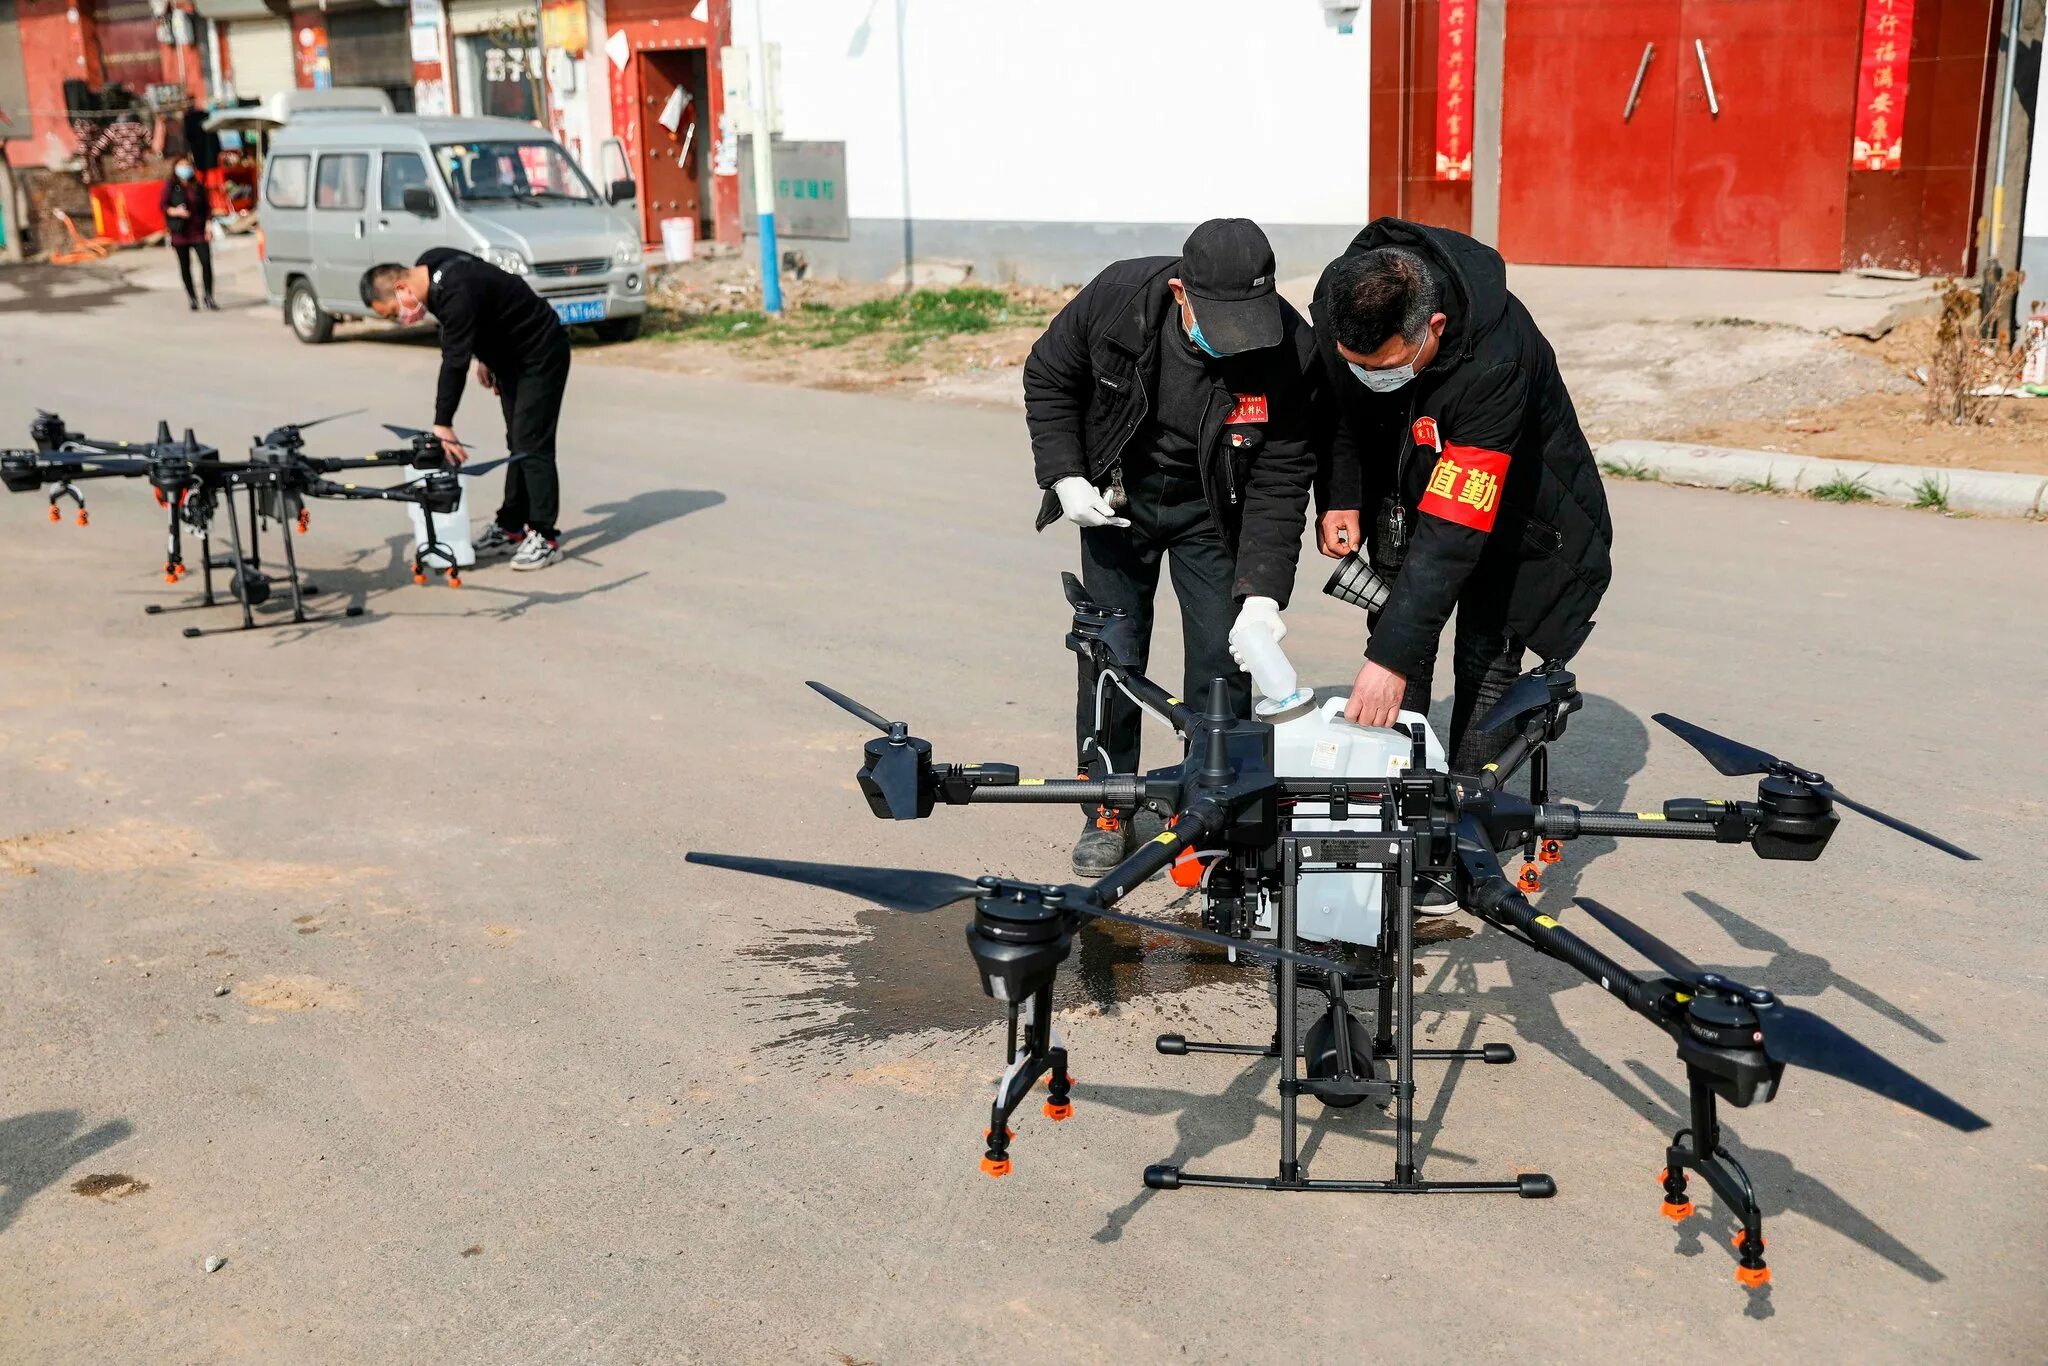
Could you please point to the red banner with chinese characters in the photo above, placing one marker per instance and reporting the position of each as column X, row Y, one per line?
column 1881, row 88
column 1457, row 24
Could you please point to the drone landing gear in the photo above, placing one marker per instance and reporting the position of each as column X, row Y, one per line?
column 1341, row 1069
column 1699, row 1147
column 248, row 584
column 1043, row 1053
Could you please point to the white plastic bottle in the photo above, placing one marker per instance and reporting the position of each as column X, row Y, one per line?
column 1264, row 660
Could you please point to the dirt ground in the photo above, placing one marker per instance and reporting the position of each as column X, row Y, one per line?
column 1889, row 424
column 1727, row 383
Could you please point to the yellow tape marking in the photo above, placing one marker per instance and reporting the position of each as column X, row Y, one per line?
column 1031, row 782
column 1649, row 815
column 1173, row 701
column 1492, row 767
column 1165, row 837
column 1546, row 922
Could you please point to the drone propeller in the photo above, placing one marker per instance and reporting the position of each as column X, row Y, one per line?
column 403, row 433
column 895, row 768
column 331, row 417
column 1120, row 634
column 918, row 892
column 471, row 470
column 1734, row 759
column 1795, row 1036
column 1530, row 691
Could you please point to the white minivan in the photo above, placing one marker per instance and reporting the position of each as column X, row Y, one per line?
column 344, row 191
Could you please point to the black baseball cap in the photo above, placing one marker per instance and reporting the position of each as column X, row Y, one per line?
column 1227, row 269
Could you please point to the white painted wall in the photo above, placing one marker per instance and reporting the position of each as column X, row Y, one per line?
column 1077, row 111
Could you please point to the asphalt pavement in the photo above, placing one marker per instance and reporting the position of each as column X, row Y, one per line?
column 496, row 1077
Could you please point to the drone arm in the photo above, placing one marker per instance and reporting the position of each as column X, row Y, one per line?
column 1492, row 897
column 1686, row 818
column 1188, row 831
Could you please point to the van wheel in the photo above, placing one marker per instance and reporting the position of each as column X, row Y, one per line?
column 620, row 329
column 302, row 310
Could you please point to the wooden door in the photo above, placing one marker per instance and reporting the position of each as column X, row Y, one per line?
column 1764, row 181
column 672, row 162
column 1585, row 172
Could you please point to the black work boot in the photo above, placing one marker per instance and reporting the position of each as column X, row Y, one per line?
column 1146, row 826
column 1105, row 842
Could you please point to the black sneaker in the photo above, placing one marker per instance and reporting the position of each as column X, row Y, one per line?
column 1105, row 842
column 496, row 540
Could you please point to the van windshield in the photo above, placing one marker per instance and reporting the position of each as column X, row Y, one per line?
column 527, row 173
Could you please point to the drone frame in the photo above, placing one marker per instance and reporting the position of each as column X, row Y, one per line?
column 1434, row 826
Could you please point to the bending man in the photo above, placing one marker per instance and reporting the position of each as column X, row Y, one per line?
column 1172, row 405
column 521, row 352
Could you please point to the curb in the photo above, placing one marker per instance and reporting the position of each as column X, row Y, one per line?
column 1989, row 493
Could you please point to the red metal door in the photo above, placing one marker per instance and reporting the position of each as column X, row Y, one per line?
column 1585, row 172
column 672, row 162
column 1763, row 182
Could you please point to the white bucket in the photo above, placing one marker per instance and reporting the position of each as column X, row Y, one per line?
column 678, row 238
column 451, row 529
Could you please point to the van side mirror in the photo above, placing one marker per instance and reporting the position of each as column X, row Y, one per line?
column 420, row 200
column 623, row 191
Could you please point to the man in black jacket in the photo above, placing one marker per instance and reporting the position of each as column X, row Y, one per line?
column 1172, row 407
column 521, row 352
column 1459, row 455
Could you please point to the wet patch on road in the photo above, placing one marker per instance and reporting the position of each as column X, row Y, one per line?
column 108, row 1186
column 889, row 974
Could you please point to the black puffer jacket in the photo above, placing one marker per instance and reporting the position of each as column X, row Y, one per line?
column 1085, row 397
column 1485, row 450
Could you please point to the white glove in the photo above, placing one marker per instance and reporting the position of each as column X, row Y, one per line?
column 1257, row 612
column 1084, row 504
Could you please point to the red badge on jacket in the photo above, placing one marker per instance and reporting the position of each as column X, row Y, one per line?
column 1426, row 433
column 1250, row 408
column 1465, row 486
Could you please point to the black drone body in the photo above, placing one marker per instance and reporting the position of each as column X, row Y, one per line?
column 1419, row 829
column 195, row 484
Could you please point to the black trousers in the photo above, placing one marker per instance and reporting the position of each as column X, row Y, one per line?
column 1170, row 521
column 204, row 251
column 1485, row 661
column 532, row 399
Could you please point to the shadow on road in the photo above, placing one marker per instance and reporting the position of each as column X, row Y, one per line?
column 371, row 575
column 50, row 289
column 36, row 1150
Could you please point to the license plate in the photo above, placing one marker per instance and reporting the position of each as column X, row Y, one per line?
column 580, row 310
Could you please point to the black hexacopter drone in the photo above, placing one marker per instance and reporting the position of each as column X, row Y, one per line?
column 1249, row 838
column 193, row 482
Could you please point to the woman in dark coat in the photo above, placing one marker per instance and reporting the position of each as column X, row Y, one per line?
column 188, row 211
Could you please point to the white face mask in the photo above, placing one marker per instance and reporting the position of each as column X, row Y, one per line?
column 1384, row 381
column 1388, row 380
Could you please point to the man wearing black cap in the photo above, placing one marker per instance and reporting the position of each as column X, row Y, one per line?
column 1173, row 407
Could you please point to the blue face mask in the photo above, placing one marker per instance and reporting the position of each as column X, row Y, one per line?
column 1195, row 336
column 184, row 173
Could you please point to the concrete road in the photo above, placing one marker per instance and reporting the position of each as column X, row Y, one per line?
column 496, row 1077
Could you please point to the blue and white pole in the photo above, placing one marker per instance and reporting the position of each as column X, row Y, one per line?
column 764, row 173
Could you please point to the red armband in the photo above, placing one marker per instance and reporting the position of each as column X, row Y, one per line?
column 1465, row 486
